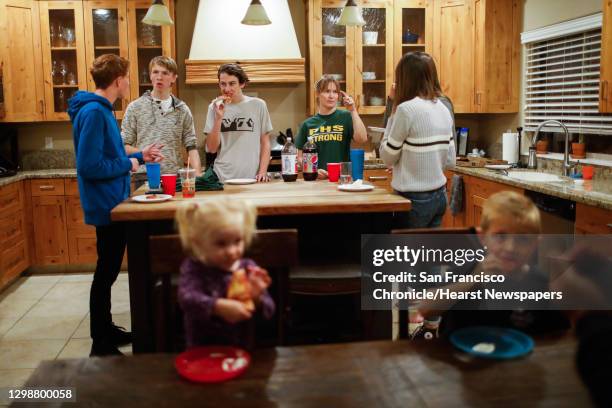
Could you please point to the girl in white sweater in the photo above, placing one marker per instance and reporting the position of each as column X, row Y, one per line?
column 418, row 141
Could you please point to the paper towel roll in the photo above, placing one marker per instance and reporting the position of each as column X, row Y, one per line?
column 510, row 147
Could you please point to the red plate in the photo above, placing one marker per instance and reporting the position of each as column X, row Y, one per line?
column 212, row 363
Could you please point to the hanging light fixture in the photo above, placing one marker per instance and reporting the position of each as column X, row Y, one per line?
column 351, row 15
column 158, row 14
column 256, row 14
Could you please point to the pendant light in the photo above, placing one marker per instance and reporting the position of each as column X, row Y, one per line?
column 256, row 14
column 351, row 15
column 158, row 14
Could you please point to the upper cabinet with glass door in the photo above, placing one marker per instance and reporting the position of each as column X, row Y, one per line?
column 374, row 56
column 413, row 27
column 361, row 58
column 63, row 54
column 331, row 47
column 106, row 33
column 145, row 43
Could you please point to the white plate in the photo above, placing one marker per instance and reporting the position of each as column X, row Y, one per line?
column 498, row 166
column 241, row 181
column 355, row 187
column 157, row 199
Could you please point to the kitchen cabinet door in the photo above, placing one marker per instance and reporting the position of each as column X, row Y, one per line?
column 374, row 57
column 63, row 54
column 332, row 47
column 412, row 28
column 477, row 191
column 497, row 51
column 106, row 33
column 50, row 236
column 453, row 51
column 592, row 220
column 146, row 42
column 21, row 77
column 14, row 255
column 605, row 90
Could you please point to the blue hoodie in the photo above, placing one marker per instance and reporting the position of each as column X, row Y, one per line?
column 103, row 167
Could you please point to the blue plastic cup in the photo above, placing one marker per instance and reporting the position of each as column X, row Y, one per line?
column 357, row 160
column 153, row 175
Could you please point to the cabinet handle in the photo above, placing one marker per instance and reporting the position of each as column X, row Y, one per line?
column 42, row 106
column 377, row 178
column 604, row 90
column 46, row 188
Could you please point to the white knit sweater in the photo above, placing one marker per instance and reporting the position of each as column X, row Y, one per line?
column 418, row 143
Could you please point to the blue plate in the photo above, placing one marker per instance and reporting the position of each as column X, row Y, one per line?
column 509, row 343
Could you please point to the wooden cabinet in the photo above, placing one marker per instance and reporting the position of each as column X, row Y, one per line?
column 146, row 42
column 21, row 92
column 476, row 192
column 81, row 237
column 412, row 27
column 50, row 239
column 497, row 53
column 63, row 54
column 46, row 48
column 605, row 90
column 592, row 220
column 379, row 178
column 361, row 58
column 106, row 33
column 477, row 50
column 453, row 51
column 14, row 251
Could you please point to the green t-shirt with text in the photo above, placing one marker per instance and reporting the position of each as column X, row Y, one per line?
column 331, row 133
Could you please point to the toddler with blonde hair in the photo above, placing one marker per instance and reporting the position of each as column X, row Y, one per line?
column 219, row 290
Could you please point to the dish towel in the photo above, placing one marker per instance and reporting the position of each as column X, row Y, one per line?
column 456, row 199
column 206, row 182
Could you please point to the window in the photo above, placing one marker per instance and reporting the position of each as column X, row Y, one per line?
column 562, row 76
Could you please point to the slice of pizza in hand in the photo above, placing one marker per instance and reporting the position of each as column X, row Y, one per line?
column 240, row 289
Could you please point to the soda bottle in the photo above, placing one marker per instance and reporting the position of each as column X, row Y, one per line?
column 289, row 161
column 310, row 160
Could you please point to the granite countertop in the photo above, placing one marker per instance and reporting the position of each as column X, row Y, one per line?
column 38, row 174
column 595, row 192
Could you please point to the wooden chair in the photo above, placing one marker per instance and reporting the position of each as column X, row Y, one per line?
column 275, row 250
column 403, row 314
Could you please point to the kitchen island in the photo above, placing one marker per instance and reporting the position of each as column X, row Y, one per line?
column 329, row 223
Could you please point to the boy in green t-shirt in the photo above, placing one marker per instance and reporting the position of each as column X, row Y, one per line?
column 332, row 129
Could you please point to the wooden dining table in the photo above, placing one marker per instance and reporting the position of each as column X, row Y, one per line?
column 314, row 208
column 363, row 374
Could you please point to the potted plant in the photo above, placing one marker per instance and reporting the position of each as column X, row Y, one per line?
column 578, row 149
column 542, row 145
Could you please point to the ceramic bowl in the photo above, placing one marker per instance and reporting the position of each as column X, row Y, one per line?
column 370, row 37
column 329, row 40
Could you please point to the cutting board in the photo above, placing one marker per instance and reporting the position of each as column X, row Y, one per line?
column 477, row 161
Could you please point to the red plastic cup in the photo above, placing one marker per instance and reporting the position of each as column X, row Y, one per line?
column 587, row 172
column 333, row 172
column 169, row 183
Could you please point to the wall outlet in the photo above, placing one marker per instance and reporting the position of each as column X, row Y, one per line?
column 48, row 142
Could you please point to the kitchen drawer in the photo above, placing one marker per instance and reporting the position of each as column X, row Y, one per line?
column 82, row 247
column 47, row 187
column 379, row 178
column 13, row 261
column 592, row 220
column 11, row 198
column 75, row 217
column 11, row 230
column 71, row 186
column 485, row 188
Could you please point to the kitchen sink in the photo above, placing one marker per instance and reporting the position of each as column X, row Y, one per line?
column 534, row 177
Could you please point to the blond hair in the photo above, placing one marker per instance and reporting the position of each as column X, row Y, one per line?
column 165, row 62
column 511, row 205
column 198, row 222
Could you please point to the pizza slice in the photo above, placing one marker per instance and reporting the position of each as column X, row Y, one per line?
column 240, row 289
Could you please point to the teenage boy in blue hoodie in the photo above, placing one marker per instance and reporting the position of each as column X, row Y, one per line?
column 103, row 173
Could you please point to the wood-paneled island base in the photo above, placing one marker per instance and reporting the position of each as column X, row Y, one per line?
column 362, row 374
column 329, row 223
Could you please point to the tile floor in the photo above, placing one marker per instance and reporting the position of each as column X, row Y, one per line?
column 46, row 317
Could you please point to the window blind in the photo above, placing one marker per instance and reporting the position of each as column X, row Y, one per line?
column 562, row 83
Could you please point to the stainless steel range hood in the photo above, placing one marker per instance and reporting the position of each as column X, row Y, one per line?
column 268, row 53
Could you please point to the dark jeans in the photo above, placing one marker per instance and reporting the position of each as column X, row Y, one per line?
column 111, row 247
column 427, row 210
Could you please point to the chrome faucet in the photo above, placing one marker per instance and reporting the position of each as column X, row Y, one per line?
column 566, row 164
